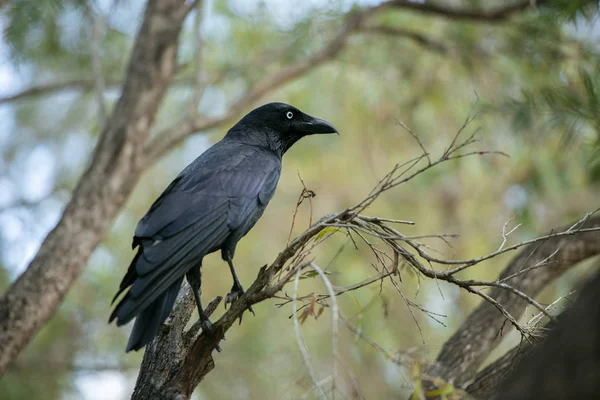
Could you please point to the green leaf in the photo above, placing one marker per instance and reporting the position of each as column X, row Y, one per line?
column 325, row 231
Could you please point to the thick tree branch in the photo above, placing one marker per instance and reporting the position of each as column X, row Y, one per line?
column 171, row 340
column 468, row 348
column 58, row 87
column 104, row 187
column 87, row 84
column 487, row 380
column 490, row 15
column 415, row 36
column 485, row 385
column 567, row 364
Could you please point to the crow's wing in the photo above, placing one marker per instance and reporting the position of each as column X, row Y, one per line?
column 223, row 191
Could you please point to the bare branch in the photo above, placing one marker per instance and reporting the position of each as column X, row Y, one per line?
column 57, row 87
column 98, row 25
column 199, row 84
column 506, row 234
column 464, row 352
column 416, row 37
column 464, row 264
column 301, row 344
column 84, row 84
column 416, row 137
column 165, row 140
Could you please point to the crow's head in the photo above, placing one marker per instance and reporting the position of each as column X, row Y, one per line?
column 277, row 126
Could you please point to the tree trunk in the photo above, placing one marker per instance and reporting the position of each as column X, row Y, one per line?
column 104, row 187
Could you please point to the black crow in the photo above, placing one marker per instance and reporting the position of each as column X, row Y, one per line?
column 209, row 206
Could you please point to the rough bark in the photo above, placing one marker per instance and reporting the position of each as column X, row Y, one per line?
column 462, row 354
column 34, row 297
column 176, row 360
column 567, row 364
column 165, row 354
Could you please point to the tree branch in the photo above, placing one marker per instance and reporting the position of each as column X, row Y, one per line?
column 415, row 36
column 468, row 348
column 98, row 27
column 117, row 163
column 57, row 87
column 492, row 15
column 86, row 84
column 174, row 341
column 196, row 361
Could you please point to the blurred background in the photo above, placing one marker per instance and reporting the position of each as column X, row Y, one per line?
column 532, row 81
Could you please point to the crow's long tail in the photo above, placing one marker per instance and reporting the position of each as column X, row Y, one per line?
column 150, row 319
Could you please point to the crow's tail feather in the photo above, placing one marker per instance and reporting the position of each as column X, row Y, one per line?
column 151, row 318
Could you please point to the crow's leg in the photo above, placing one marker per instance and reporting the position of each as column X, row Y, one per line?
column 194, row 278
column 236, row 290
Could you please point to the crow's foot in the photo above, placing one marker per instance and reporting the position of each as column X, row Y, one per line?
column 207, row 327
column 236, row 293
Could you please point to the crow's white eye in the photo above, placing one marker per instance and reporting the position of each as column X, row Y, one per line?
column 289, row 115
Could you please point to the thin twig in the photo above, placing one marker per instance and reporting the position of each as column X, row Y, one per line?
column 506, row 234
column 98, row 26
column 199, row 80
column 334, row 320
column 300, row 340
column 414, row 135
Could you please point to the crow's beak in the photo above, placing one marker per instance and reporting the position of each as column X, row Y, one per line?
column 317, row 125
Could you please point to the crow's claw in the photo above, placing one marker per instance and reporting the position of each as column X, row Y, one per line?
column 249, row 309
column 236, row 293
column 231, row 297
column 208, row 327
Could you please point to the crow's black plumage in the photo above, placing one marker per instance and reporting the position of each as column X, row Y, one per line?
column 210, row 206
